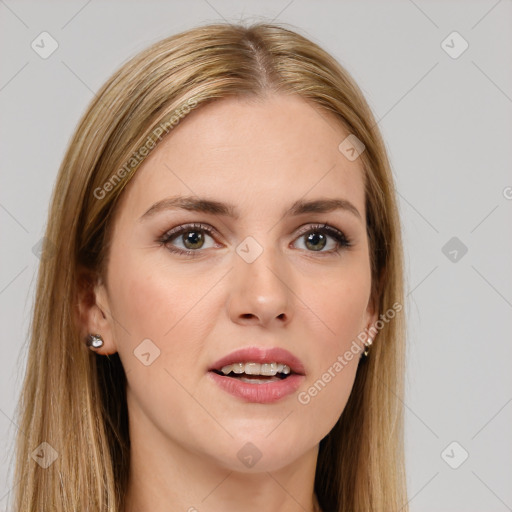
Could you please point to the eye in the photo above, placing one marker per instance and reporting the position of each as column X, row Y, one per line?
column 316, row 238
column 191, row 236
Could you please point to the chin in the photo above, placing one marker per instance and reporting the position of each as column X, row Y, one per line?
column 256, row 454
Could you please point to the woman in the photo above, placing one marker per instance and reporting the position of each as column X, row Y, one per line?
column 225, row 250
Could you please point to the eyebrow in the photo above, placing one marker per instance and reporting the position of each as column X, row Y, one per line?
column 204, row 205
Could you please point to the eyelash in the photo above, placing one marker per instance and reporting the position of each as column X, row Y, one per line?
column 167, row 236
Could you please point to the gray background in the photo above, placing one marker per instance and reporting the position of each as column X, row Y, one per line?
column 448, row 127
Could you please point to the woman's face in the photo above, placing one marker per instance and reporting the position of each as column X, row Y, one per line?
column 258, row 273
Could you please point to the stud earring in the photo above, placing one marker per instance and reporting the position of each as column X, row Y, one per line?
column 367, row 345
column 94, row 341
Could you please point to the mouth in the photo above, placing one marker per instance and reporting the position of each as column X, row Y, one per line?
column 258, row 375
column 250, row 362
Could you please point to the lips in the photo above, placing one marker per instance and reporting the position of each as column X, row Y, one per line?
column 260, row 355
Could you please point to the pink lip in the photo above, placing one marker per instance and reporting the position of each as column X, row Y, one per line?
column 268, row 392
column 258, row 393
column 261, row 355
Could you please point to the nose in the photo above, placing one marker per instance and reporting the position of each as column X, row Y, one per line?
column 261, row 293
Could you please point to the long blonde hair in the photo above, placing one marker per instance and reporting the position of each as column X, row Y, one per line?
column 73, row 399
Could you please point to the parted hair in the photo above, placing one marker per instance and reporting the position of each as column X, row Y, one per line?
column 74, row 399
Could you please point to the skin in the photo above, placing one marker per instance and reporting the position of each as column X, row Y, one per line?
column 185, row 431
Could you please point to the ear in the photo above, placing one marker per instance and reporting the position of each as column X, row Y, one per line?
column 371, row 316
column 94, row 311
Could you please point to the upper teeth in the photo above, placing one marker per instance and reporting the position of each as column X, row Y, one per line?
column 256, row 368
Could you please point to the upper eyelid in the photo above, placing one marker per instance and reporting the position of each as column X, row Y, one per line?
column 302, row 230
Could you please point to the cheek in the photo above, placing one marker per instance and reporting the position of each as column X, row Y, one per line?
column 159, row 337
column 340, row 303
column 326, row 392
column 145, row 296
column 325, row 396
column 342, row 307
column 148, row 304
column 151, row 301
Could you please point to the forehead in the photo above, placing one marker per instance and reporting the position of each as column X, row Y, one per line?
column 252, row 153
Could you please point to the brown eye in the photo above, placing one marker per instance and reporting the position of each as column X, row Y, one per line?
column 316, row 241
column 317, row 237
column 192, row 239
